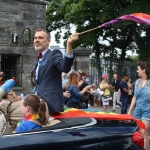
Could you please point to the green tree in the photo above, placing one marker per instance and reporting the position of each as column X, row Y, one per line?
column 88, row 14
column 141, row 32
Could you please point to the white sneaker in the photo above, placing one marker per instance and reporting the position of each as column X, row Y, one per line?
column 89, row 105
column 117, row 106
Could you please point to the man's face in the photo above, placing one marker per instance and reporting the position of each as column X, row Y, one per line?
column 126, row 78
column 84, row 77
column 115, row 77
column 41, row 41
column 11, row 95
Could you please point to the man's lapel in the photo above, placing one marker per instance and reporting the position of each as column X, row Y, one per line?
column 40, row 67
column 34, row 72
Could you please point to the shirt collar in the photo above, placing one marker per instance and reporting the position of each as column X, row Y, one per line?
column 43, row 53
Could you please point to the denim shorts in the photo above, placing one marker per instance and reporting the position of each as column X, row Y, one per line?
column 142, row 113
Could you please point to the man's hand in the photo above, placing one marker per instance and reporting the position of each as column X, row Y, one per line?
column 66, row 94
column 73, row 37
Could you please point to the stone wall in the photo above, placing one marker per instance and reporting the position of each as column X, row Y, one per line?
column 15, row 16
column 82, row 60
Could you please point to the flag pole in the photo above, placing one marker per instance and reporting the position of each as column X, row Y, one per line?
column 89, row 30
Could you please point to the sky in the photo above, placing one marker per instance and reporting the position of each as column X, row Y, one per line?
column 53, row 42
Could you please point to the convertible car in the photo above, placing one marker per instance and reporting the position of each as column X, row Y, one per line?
column 78, row 130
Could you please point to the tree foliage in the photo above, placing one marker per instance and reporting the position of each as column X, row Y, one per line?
column 108, row 42
column 141, row 32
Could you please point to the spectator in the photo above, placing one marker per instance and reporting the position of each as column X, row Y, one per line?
column 141, row 99
column 10, row 105
column 32, row 82
column 33, row 109
column 85, row 96
column 80, row 72
column 66, row 94
column 76, row 95
column 104, row 86
column 96, row 95
column 116, row 94
column 124, row 89
column 48, row 70
column 130, row 93
column 87, row 77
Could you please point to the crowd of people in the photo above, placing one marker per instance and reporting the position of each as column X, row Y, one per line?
column 125, row 93
column 80, row 90
column 52, row 92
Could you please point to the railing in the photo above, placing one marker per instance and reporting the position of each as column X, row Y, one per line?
column 110, row 67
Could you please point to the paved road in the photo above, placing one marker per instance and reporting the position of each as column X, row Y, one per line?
column 109, row 109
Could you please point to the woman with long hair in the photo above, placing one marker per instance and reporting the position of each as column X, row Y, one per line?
column 33, row 110
column 104, row 86
column 130, row 92
column 73, row 88
column 141, row 99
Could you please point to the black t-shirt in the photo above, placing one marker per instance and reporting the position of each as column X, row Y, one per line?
column 123, row 85
column 83, row 86
column 116, row 85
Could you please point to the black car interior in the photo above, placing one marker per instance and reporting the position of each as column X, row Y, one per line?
column 65, row 123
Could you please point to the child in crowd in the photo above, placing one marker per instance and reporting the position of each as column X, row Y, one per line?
column 96, row 95
column 33, row 110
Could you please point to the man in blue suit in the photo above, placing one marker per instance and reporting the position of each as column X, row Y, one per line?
column 48, row 69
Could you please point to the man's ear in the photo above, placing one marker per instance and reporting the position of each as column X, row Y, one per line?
column 49, row 41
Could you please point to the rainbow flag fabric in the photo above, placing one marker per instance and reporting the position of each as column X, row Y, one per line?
column 137, row 17
column 77, row 113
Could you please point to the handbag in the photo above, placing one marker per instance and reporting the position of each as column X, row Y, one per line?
column 107, row 98
column 85, row 97
column 80, row 105
column 100, row 92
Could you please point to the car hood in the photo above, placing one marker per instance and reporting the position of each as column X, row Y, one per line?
column 116, row 126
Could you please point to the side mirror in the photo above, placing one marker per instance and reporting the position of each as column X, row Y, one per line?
column 3, row 124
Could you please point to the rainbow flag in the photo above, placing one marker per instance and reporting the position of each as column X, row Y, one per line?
column 137, row 17
column 78, row 113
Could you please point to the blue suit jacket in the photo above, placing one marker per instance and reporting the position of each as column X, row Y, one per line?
column 49, row 81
